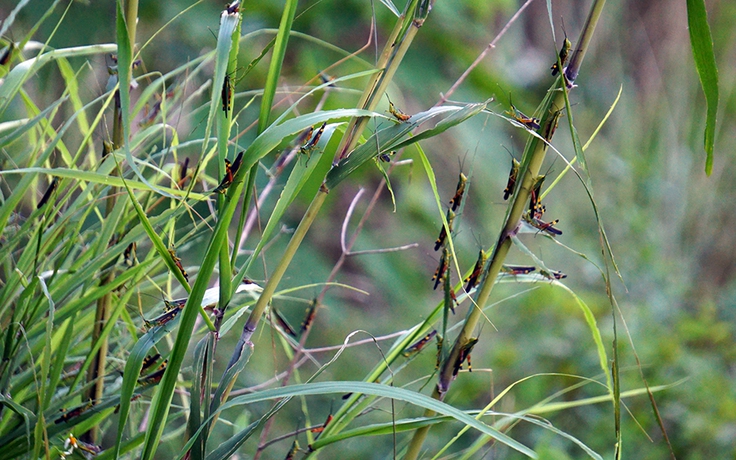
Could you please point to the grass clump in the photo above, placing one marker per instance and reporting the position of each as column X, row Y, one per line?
column 151, row 225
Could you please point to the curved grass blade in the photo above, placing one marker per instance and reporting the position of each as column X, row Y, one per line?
column 6, row 140
column 26, row 69
column 587, row 184
column 99, row 178
column 380, row 429
column 276, row 133
column 400, row 426
column 161, row 247
column 390, row 5
column 71, row 80
column 386, row 391
column 587, row 313
column 228, row 448
column 457, row 117
column 586, row 145
column 705, row 63
column 445, row 224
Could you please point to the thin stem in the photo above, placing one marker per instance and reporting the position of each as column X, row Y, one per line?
column 483, row 54
column 383, row 250
column 396, row 47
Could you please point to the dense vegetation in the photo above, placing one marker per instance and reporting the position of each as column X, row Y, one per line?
column 283, row 171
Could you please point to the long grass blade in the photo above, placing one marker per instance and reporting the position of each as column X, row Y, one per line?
column 399, row 394
column 26, row 69
column 705, row 63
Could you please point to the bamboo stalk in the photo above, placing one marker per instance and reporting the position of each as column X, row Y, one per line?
column 96, row 371
column 534, row 154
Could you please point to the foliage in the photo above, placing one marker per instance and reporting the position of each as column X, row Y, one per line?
column 110, row 180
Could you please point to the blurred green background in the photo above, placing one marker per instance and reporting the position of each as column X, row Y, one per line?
column 670, row 226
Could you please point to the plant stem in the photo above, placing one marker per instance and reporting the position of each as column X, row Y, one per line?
column 584, row 41
column 270, row 288
column 104, row 304
column 397, row 45
column 349, row 138
column 533, row 157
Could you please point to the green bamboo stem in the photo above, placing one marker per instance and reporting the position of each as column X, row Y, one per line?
column 314, row 207
column 534, row 154
column 131, row 21
column 491, row 273
column 396, row 47
column 586, row 35
column 394, row 56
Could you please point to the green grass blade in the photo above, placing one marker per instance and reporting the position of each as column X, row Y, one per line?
column 61, row 350
column 224, row 125
column 705, row 63
column 71, row 80
column 456, row 117
column 588, row 186
column 390, row 5
column 45, row 365
column 8, row 21
column 277, row 59
column 594, row 332
column 99, row 177
column 202, row 367
column 400, row 426
column 245, row 351
column 443, row 216
column 587, row 313
column 228, row 448
column 160, row 246
column 386, row 391
column 276, row 133
column 25, row 127
column 393, row 137
column 379, row 429
column 27, row 69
